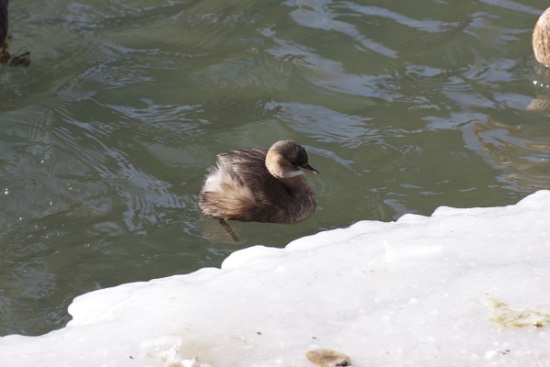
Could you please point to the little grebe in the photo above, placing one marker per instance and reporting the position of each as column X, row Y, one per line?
column 260, row 185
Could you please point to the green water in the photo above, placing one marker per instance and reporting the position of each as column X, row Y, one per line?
column 106, row 137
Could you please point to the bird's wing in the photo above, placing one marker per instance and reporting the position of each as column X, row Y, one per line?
column 244, row 165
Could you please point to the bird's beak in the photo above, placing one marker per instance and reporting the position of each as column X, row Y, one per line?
column 310, row 169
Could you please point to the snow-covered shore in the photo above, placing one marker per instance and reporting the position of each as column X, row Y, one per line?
column 464, row 287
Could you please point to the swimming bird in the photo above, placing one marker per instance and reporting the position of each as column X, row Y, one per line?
column 541, row 39
column 260, row 185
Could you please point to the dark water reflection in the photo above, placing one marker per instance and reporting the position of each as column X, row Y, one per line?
column 105, row 138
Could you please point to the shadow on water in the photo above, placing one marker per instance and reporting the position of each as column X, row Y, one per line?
column 106, row 137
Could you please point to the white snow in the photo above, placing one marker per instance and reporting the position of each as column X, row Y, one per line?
column 464, row 287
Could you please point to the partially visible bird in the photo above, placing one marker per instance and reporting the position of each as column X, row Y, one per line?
column 541, row 39
column 3, row 20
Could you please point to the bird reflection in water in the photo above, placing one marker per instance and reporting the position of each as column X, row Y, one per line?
column 521, row 150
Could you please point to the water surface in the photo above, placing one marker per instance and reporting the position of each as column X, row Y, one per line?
column 105, row 138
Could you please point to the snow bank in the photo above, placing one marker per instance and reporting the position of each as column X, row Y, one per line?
column 464, row 287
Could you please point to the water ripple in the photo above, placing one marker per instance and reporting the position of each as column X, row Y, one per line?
column 316, row 14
